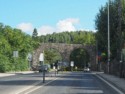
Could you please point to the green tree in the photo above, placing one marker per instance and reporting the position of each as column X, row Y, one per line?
column 80, row 58
column 35, row 34
column 78, row 37
column 11, row 40
column 51, row 56
column 101, row 26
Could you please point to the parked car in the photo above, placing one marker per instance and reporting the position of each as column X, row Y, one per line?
column 86, row 69
column 43, row 68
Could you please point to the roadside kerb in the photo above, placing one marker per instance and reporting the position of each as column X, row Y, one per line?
column 117, row 82
column 16, row 73
column 6, row 74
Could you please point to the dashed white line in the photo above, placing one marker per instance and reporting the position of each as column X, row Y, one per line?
column 34, row 87
column 40, row 86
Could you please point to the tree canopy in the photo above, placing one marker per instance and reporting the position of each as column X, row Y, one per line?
column 14, row 40
column 77, row 37
column 101, row 23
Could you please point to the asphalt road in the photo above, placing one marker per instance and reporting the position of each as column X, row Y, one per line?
column 19, row 82
column 65, row 83
column 75, row 83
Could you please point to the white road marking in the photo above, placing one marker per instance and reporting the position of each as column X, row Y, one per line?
column 40, row 86
column 119, row 91
column 35, row 87
column 28, row 87
column 88, row 91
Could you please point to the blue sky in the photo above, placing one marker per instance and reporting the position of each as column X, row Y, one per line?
column 50, row 16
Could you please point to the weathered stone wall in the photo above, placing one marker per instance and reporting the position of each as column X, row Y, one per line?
column 65, row 51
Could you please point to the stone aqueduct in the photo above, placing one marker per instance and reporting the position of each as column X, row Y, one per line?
column 65, row 51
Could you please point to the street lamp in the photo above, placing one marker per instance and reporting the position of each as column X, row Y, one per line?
column 120, row 50
column 41, row 60
column 108, row 38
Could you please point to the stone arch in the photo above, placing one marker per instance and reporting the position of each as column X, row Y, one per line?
column 65, row 51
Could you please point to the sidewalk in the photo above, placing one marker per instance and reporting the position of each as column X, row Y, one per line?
column 116, row 81
column 51, row 73
column 15, row 73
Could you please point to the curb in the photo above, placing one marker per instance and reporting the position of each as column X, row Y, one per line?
column 111, row 83
column 6, row 75
column 15, row 73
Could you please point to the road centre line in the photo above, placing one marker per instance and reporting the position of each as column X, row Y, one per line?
column 35, row 87
column 40, row 86
column 119, row 91
column 28, row 87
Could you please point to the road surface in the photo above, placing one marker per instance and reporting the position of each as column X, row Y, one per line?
column 65, row 83
column 76, row 83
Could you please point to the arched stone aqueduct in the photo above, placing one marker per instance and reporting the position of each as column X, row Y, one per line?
column 65, row 51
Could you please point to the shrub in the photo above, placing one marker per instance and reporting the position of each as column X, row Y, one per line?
column 4, row 64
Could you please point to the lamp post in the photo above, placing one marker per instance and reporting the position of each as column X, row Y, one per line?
column 108, row 38
column 120, row 50
column 41, row 60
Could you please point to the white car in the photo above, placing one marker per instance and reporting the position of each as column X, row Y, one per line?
column 86, row 69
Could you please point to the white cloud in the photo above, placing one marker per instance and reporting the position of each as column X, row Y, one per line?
column 43, row 30
column 72, row 20
column 62, row 25
column 26, row 27
column 67, row 24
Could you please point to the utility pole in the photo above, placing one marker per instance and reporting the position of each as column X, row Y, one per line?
column 97, row 55
column 119, row 39
column 108, row 37
column 120, row 36
column 119, row 28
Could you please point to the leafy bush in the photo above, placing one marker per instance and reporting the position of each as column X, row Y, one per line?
column 4, row 64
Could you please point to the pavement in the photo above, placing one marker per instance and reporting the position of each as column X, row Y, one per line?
column 51, row 73
column 114, row 80
column 15, row 73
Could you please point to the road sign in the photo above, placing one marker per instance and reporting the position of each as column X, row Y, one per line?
column 72, row 63
column 41, row 57
column 15, row 53
column 29, row 57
